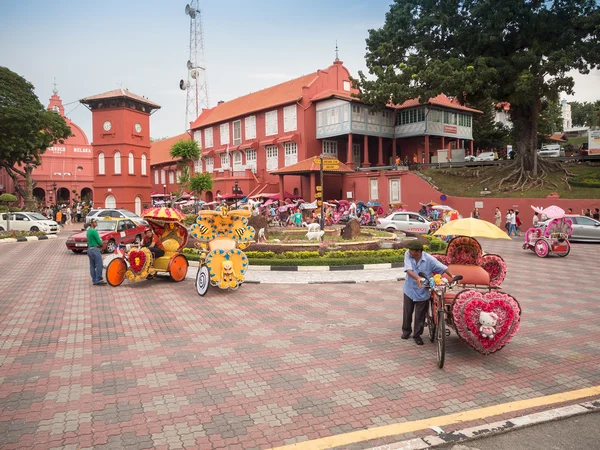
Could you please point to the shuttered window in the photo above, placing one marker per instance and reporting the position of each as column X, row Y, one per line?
column 289, row 118
column 250, row 124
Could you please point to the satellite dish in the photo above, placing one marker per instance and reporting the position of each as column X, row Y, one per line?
column 189, row 64
column 187, row 9
column 194, row 74
column 183, row 85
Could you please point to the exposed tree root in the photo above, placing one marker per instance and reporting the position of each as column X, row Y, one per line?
column 521, row 179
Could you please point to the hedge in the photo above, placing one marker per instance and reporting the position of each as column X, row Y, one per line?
column 588, row 181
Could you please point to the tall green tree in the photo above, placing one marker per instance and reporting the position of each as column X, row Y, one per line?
column 586, row 114
column 185, row 151
column 550, row 118
column 487, row 133
column 518, row 51
column 200, row 183
column 27, row 129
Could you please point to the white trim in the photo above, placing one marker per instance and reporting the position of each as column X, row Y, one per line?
column 271, row 125
column 101, row 164
column 224, row 134
column 208, row 137
column 272, row 152
column 131, row 163
column 237, row 140
column 144, row 163
column 291, row 153
column 117, row 162
column 250, row 127
column 289, row 118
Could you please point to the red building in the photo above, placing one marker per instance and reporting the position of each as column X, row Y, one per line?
column 165, row 170
column 121, row 144
column 66, row 171
column 266, row 141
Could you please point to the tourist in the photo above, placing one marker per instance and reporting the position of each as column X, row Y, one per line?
column 570, row 211
column 95, row 253
column 497, row 217
column 596, row 214
column 586, row 213
column 518, row 223
column 398, row 162
column 536, row 220
column 78, row 212
column 475, row 213
column 59, row 217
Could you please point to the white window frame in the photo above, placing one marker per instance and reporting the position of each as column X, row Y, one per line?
column 198, row 165
column 347, row 85
column 251, row 159
column 131, row 163
column 101, row 164
column 208, row 137
column 291, row 153
column 250, row 126
column 163, row 176
column 198, row 137
column 237, row 140
column 171, row 177
column 117, row 162
column 290, row 122
column 238, row 161
column 225, row 160
column 144, row 163
column 358, row 114
column 271, row 125
column 333, row 116
column 329, row 148
column 210, row 164
column 224, row 133
column 156, row 177
column 178, row 176
column 372, row 117
column 272, row 152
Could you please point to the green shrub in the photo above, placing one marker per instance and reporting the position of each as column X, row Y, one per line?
column 590, row 180
column 190, row 219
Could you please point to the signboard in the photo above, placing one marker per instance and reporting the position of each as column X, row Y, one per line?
column 317, row 161
column 594, row 142
column 479, row 205
column 319, row 195
column 319, row 202
column 450, row 129
column 331, row 166
column 319, row 188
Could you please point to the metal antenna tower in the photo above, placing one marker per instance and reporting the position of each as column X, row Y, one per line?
column 196, row 85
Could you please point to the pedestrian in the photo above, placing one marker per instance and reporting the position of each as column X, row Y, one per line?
column 475, row 213
column 59, row 217
column 78, row 212
column 570, row 211
column 69, row 217
column 596, row 214
column 497, row 217
column 94, row 253
column 536, row 220
column 517, row 223
column 398, row 162
column 415, row 295
column 586, row 213
column 512, row 226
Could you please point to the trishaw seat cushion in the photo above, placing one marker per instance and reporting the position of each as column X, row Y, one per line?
column 471, row 274
column 170, row 245
column 221, row 244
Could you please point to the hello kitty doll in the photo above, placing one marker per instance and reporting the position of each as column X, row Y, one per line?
column 488, row 324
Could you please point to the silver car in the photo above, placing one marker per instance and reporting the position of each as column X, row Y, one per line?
column 105, row 213
column 585, row 229
column 404, row 221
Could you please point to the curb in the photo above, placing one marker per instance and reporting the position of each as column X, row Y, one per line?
column 474, row 433
column 29, row 238
column 381, row 266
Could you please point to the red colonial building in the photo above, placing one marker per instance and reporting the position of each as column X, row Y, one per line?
column 66, row 171
column 121, row 149
column 266, row 141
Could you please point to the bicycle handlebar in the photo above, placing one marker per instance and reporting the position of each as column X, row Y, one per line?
column 429, row 284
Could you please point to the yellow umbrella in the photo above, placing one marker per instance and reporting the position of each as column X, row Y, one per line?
column 473, row 228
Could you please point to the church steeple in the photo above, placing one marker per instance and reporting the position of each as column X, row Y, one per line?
column 55, row 102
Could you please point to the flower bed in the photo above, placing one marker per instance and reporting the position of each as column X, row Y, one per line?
column 19, row 234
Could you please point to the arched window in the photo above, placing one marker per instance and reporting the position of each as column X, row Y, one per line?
column 131, row 163
column 138, row 206
column 143, row 164
column 100, row 163
column 110, row 201
column 117, row 158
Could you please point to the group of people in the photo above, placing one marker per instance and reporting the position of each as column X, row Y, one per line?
column 65, row 214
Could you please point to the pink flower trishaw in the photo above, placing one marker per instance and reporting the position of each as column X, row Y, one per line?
column 482, row 315
column 554, row 239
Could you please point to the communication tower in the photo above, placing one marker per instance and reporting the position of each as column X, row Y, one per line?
column 196, row 86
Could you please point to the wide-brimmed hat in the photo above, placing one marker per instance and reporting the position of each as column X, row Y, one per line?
column 415, row 244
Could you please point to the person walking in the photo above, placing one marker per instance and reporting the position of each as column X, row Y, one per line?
column 596, row 214
column 94, row 253
column 415, row 295
column 475, row 213
column 497, row 217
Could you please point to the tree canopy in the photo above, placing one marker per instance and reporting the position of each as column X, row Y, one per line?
column 516, row 51
column 185, row 150
column 487, row 133
column 586, row 114
column 27, row 129
column 200, row 183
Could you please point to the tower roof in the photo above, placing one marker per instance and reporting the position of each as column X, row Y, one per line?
column 119, row 93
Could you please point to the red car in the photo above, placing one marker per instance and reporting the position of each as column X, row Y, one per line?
column 112, row 232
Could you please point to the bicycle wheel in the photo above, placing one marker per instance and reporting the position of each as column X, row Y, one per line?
column 430, row 321
column 202, row 280
column 441, row 337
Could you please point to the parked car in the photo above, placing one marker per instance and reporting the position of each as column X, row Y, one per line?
column 585, row 229
column 112, row 232
column 29, row 221
column 470, row 158
column 404, row 221
column 551, row 151
column 105, row 213
column 485, row 156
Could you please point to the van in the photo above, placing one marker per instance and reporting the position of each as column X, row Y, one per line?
column 485, row 156
column 551, row 151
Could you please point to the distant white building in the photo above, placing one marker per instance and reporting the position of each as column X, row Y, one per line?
column 566, row 115
column 502, row 115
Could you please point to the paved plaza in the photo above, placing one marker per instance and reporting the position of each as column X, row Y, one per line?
column 153, row 365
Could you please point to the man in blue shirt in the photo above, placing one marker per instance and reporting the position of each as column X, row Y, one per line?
column 415, row 295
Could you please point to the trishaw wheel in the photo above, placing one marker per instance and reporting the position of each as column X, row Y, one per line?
column 115, row 272
column 202, row 280
column 565, row 253
column 441, row 338
column 542, row 248
column 178, row 267
column 430, row 321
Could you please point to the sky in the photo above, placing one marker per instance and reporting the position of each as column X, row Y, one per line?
column 143, row 46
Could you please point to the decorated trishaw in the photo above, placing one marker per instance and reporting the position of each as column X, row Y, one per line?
column 138, row 263
column 554, row 239
column 482, row 315
column 221, row 238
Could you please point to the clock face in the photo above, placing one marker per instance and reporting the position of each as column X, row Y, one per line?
column 138, row 128
column 107, row 126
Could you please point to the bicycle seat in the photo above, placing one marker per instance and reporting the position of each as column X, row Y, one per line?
column 472, row 274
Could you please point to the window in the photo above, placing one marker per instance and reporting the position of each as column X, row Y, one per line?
column 110, row 201
column 131, row 160
column 388, row 118
column 449, row 118
column 333, row 116
column 291, row 153
column 138, row 209
column 117, row 159
column 357, row 113
column 208, row 137
column 400, row 218
column 100, row 163
column 330, row 148
column 251, row 159
column 143, row 164
column 356, row 154
column 198, row 165
column 163, row 178
column 373, row 189
column 347, row 86
column 210, row 163
column 224, row 160
column 464, row 120
column 272, row 157
column 171, row 177
column 237, row 132
column 410, row 116
column 271, row 127
column 224, row 133
column 178, row 179
column 585, row 221
column 237, row 161
column 156, row 177
column 435, row 115
column 372, row 118
column 415, row 218
column 198, row 137
column 250, row 123
column 289, row 118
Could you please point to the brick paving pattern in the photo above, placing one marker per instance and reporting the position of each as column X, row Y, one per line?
column 153, row 365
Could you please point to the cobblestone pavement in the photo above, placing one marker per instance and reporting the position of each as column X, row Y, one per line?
column 153, row 365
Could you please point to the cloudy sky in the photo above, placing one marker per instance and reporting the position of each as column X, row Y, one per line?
column 142, row 45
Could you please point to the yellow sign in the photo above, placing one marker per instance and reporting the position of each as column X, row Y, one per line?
column 331, row 161
column 331, row 166
column 319, row 203
column 319, row 188
column 319, row 195
column 317, row 161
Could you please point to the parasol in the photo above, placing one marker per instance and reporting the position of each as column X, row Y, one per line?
column 552, row 212
column 164, row 214
column 443, row 207
column 473, row 228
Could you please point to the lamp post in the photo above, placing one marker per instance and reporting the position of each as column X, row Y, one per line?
column 235, row 191
column 165, row 193
column 54, row 186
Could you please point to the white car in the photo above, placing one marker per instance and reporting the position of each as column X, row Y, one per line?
column 551, row 151
column 107, row 213
column 28, row 221
column 404, row 221
column 485, row 156
column 469, row 158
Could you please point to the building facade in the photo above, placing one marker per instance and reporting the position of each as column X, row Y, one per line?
column 565, row 108
column 66, row 173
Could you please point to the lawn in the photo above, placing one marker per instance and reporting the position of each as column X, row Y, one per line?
column 469, row 182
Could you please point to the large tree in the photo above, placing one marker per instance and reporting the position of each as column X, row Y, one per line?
column 586, row 114
column 27, row 129
column 487, row 133
column 517, row 51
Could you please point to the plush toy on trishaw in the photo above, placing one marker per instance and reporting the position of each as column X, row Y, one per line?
column 138, row 263
column 483, row 316
column 222, row 236
column 554, row 240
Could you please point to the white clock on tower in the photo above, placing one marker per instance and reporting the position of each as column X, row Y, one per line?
column 107, row 125
column 138, row 128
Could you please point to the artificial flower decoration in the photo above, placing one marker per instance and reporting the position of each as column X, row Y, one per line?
column 496, row 267
column 140, row 264
column 464, row 250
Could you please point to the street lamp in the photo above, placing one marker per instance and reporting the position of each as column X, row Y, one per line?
column 164, row 193
column 235, row 192
column 54, row 186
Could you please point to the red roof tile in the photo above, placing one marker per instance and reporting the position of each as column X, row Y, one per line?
column 307, row 166
column 159, row 150
column 288, row 92
column 121, row 93
column 338, row 94
column 439, row 100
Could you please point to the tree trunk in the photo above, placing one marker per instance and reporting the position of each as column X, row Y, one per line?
column 524, row 119
column 28, row 197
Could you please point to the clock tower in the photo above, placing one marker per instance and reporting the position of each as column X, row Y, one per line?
column 121, row 146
